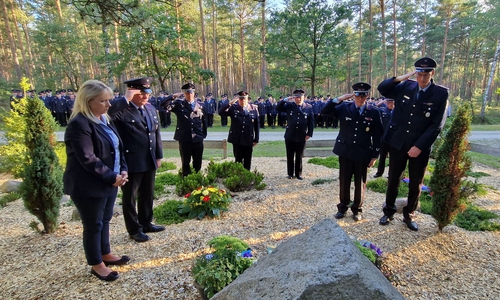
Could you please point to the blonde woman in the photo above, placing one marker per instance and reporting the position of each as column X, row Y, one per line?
column 95, row 169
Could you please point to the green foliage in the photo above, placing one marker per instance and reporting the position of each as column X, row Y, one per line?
column 329, row 162
column 166, row 166
column 42, row 185
column 217, row 270
column 322, row 181
column 369, row 253
column 425, row 203
column 476, row 174
column 168, row 213
column 191, row 182
column 477, row 219
column 379, row 185
column 205, row 201
column 452, row 164
column 163, row 180
column 13, row 154
column 9, row 198
column 235, row 177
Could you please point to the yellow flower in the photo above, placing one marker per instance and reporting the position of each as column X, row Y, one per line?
column 206, row 192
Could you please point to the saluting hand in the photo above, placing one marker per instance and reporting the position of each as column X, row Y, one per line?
column 345, row 97
column 405, row 77
column 129, row 94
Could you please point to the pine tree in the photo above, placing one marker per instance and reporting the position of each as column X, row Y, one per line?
column 452, row 163
column 42, row 185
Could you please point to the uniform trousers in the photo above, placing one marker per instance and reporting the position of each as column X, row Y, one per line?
column 416, row 172
column 210, row 120
column 347, row 169
column 164, row 119
column 384, row 150
column 223, row 120
column 188, row 151
column 294, row 150
column 141, row 187
column 243, row 154
column 95, row 212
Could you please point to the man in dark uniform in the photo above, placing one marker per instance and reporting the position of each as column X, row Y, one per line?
column 300, row 127
column 210, row 107
column 59, row 108
column 419, row 116
column 262, row 107
column 164, row 116
column 137, row 124
column 244, row 130
column 191, row 127
column 385, row 107
column 223, row 118
column 357, row 145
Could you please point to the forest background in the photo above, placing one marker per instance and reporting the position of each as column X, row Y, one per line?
column 264, row 47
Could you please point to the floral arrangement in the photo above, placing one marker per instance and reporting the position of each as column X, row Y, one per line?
column 424, row 187
column 376, row 256
column 212, row 272
column 205, row 201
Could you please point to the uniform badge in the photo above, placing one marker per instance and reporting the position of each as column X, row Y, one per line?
column 427, row 114
column 348, row 119
column 367, row 129
column 406, row 97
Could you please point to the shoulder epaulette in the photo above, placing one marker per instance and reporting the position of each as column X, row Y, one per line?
column 443, row 87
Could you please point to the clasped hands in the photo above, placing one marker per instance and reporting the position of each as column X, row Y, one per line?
column 121, row 179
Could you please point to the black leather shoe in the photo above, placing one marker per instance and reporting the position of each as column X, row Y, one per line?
column 339, row 215
column 140, row 237
column 410, row 224
column 385, row 220
column 357, row 217
column 289, row 177
column 110, row 277
column 154, row 228
column 122, row 261
column 299, row 177
column 377, row 175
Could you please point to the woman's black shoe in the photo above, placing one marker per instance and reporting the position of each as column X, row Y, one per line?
column 110, row 277
column 122, row 261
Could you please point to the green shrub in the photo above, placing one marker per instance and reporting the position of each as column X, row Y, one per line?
column 14, row 152
column 166, row 166
column 163, row 180
column 235, row 177
column 191, row 182
column 452, row 163
column 168, row 213
column 218, row 269
column 331, row 162
column 42, row 186
column 9, row 198
column 477, row 219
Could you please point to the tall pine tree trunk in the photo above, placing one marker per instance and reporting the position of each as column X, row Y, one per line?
column 487, row 91
column 8, row 32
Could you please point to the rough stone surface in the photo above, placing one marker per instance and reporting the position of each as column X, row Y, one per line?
column 10, row 186
column 321, row 263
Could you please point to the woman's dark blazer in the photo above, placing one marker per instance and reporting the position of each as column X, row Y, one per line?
column 90, row 159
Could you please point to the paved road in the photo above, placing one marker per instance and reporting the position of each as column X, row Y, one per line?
column 490, row 138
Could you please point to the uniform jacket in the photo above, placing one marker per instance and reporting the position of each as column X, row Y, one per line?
column 141, row 138
column 191, row 123
column 300, row 120
column 414, row 122
column 245, row 127
column 59, row 105
column 210, row 106
column 91, row 159
column 359, row 136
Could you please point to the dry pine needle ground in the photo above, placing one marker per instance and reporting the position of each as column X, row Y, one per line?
column 428, row 264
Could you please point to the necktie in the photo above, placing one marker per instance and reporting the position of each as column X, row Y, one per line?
column 358, row 110
column 420, row 93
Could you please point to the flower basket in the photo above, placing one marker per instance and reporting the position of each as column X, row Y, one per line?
column 205, row 201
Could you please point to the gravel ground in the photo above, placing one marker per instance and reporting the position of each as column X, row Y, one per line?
column 428, row 264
